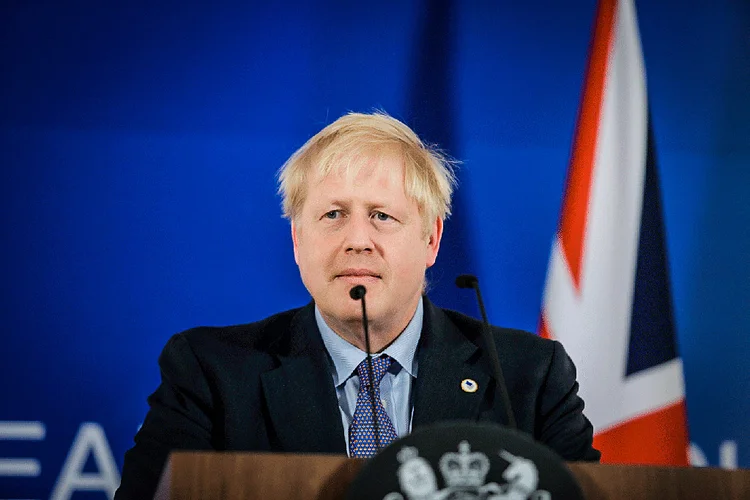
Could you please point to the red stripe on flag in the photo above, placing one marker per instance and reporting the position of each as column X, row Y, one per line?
column 543, row 330
column 659, row 438
column 576, row 200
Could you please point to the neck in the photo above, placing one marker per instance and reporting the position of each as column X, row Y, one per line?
column 383, row 331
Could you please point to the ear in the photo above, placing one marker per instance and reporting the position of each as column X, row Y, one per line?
column 295, row 243
column 433, row 242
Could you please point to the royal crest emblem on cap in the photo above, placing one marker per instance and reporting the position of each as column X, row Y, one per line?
column 464, row 469
column 465, row 461
column 464, row 473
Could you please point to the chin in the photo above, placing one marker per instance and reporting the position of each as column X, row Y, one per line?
column 338, row 305
column 345, row 313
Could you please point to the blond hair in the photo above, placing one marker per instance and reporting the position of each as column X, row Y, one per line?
column 429, row 176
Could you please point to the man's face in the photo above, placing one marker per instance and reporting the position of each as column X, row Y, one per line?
column 364, row 231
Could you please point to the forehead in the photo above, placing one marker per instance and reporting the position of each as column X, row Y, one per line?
column 380, row 174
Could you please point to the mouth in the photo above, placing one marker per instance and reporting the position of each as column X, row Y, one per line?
column 358, row 275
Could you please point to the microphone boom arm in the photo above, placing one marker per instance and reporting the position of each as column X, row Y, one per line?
column 469, row 281
column 358, row 293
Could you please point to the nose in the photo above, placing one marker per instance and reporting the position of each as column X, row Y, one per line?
column 358, row 235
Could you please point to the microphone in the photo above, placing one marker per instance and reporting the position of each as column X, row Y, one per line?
column 470, row 281
column 358, row 293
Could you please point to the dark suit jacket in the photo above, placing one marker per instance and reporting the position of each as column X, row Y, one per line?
column 267, row 386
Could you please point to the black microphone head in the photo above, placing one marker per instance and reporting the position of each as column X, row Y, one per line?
column 466, row 281
column 357, row 292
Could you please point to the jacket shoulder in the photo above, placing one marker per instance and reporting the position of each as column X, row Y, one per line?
column 505, row 338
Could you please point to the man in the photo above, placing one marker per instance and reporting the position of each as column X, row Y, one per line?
column 366, row 200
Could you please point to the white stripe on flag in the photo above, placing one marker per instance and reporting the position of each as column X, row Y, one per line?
column 594, row 323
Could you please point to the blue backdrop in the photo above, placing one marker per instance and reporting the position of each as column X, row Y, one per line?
column 139, row 143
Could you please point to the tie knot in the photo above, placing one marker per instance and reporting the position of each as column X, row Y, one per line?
column 380, row 365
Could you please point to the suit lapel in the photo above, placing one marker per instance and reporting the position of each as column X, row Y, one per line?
column 299, row 393
column 446, row 357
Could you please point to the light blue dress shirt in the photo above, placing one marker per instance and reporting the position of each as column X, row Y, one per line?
column 396, row 386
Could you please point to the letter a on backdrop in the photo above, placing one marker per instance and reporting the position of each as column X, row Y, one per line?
column 607, row 296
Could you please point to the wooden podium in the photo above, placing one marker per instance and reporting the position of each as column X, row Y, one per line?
column 229, row 476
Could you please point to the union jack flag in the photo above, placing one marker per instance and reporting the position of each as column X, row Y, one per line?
column 607, row 296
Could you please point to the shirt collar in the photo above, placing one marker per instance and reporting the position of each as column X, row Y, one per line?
column 347, row 357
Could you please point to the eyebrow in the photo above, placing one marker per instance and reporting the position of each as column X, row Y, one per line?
column 370, row 205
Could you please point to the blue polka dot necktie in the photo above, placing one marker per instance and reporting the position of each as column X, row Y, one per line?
column 362, row 429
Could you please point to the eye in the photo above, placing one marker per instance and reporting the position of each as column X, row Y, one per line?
column 383, row 217
column 332, row 214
